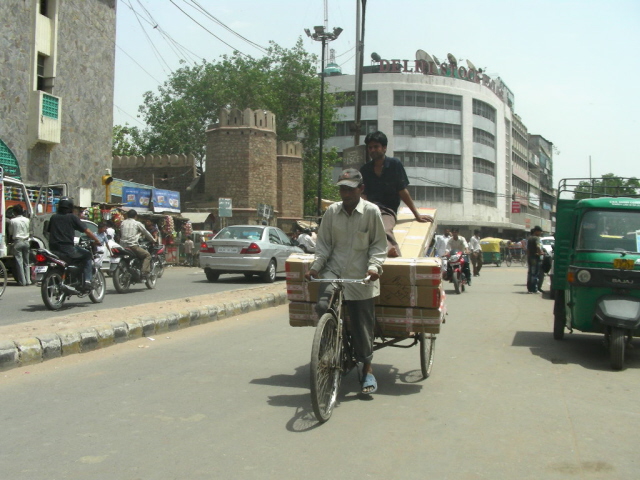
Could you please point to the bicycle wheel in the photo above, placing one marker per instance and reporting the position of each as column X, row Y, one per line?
column 427, row 350
column 3, row 278
column 523, row 260
column 507, row 260
column 326, row 370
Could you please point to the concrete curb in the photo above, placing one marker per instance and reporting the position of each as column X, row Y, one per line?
column 29, row 351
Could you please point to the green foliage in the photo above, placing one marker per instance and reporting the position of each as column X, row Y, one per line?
column 609, row 185
column 127, row 140
column 284, row 82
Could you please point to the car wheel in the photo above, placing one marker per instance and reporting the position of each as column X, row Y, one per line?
column 212, row 275
column 269, row 275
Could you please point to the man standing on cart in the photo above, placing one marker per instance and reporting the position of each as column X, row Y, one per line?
column 352, row 244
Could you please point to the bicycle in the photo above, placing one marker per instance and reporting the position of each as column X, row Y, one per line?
column 333, row 355
column 3, row 278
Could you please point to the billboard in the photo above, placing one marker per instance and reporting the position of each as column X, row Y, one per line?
column 166, row 201
column 137, row 198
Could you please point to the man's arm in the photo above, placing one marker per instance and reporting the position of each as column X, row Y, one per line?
column 145, row 232
column 405, row 196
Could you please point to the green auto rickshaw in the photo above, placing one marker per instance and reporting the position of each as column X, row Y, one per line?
column 597, row 268
column 491, row 250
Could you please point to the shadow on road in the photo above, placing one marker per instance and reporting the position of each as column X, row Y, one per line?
column 586, row 350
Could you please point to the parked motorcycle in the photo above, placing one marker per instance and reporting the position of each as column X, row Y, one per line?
column 60, row 277
column 457, row 270
column 129, row 269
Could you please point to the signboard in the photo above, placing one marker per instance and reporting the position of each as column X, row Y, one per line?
column 224, row 207
column 264, row 210
column 166, row 201
column 515, row 207
column 138, row 198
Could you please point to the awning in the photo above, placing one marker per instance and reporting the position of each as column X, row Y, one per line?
column 197, row 217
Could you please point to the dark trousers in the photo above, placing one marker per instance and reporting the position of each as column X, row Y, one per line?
column 389, row 221
column 476, row 261
column 533, row 274
column 362, row 321
column 78, row 255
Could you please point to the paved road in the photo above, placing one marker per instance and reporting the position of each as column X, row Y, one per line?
column 24, row 304
column 230, row 399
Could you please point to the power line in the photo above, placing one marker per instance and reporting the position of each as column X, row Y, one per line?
column 153, row 47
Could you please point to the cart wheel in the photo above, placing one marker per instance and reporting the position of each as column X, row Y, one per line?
column 427, row 350
column 616, row 348
column 456, row 282
column 507, row 260
column 326, row 368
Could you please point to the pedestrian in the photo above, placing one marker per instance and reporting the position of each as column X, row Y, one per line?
column 352, row 244
column 534, row 251
column 188, row 251
column 476, row 253
column 305, row 242
column 440, row 246
column 385, row 184
column 19, row 229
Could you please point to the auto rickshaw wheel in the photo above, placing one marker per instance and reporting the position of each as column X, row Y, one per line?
column 559, row 316
column 617, row 341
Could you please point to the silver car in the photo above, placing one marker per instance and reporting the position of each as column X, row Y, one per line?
column 248, row 249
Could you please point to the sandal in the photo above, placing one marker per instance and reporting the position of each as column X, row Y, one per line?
column 369, row 385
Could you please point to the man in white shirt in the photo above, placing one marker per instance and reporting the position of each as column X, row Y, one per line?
column 130, row 231
column 440, row 246
column 456, row 244
column 476, row 253
column 19, row 229
column 305, row 242
column 352, row 244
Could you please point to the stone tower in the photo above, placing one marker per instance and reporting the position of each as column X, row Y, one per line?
column 241, row 159
column 290, row 188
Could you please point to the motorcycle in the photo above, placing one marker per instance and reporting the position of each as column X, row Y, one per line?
column 457, row 270
column 60, row 277
column 129, row 267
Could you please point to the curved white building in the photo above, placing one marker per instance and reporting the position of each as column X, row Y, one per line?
column 453, row 129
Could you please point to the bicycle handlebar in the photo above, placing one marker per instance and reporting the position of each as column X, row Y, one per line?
column 362, row 281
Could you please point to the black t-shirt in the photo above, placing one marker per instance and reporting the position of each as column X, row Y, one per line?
column 383, row 190
column 62, row 227
column 533, row 245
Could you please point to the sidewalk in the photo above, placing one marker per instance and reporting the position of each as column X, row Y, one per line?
column 79, row 333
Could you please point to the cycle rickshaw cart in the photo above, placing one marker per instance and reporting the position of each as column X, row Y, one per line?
column 409, row 312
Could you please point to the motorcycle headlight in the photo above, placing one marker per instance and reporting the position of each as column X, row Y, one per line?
column 583, row 276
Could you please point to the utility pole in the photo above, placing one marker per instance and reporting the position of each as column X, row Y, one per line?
column 359, row 67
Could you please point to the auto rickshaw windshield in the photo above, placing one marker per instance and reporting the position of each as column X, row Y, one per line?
column 606, row 230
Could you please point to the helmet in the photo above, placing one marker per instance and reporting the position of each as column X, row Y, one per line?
column 65, row 205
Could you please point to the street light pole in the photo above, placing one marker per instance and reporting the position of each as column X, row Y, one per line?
column 322, row 36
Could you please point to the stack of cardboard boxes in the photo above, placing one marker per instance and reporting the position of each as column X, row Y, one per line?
column 411, row 295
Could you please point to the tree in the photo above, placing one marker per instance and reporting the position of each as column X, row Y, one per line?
column 127, row 140
column 608, row 185
column 284, row 81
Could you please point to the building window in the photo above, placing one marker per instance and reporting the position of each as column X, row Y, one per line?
column 50, row 106
column 347, row 129
column 519, row 187
column 430, row 160
column 480, row 197
column 480, row 165
column 484, row 110
column 518, row 160
column 413, row 128
column 435, row 194
column 348, row 99
column 485, row 138
column 44, row 7
column 410, row 98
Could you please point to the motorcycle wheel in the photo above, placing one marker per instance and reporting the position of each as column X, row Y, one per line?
column 121, row 278
column 151, row 281
column 51, row 290
column 99, row 287
column 456, row 282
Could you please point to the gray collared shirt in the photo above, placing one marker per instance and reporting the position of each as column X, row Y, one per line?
column 350, row 245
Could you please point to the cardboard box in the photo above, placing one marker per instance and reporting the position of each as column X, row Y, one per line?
column 395, row 321
column 422, row 272
column 303, row 291
column 410, row 296
column 302, row 314
column 414, row 237
column 297, row 265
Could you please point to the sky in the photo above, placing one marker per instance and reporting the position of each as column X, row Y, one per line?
column 572, row 65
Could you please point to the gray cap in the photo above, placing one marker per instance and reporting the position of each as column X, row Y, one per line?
column 350, row 178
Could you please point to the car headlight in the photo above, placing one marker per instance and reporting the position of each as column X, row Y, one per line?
column 583, row 276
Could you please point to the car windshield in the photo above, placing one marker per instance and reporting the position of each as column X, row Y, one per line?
column 547, row 241
column 606, row 230
column 240, row 233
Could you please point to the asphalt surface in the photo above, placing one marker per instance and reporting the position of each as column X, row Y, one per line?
column 230, row 399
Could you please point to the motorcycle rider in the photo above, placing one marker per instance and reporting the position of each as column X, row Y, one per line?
column 458, row 243
column 61, row 238
column 130, row 231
